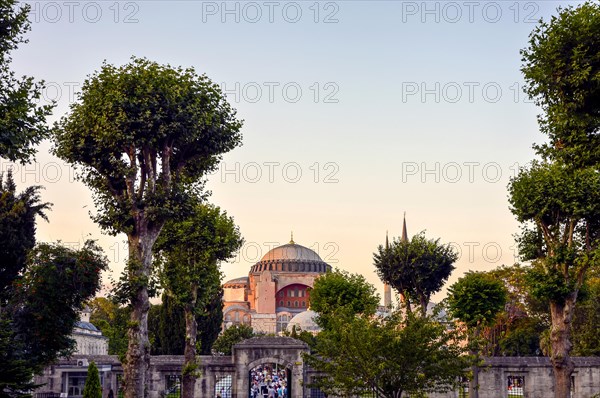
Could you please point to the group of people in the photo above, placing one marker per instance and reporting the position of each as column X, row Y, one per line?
column 267, row 382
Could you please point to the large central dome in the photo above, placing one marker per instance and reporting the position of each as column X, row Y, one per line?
column 291, row 251
column 291, row 258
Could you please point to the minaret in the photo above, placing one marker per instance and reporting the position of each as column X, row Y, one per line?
column 404, row 238
column 387, row 290
column 404, row 234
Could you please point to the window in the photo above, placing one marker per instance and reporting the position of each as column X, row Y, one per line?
column 296, row 303
column 281, row 303
column 281, row 293
column 516, row 385
column 289, row 305
column 292, row 293
column 303, row 304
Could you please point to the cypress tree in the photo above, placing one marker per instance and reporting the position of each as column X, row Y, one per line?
column 92, row 387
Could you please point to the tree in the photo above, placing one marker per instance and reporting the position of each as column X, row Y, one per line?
column 39, row 318
column 143, row 136
column 558, row 200
column 586, row 321
column 191, row 250
column 415, row 268
column 92, row 388
column 389, row 356
column 516, row 330
column 42, row 290
column 561, row 67
column 18, row 212
column 22, row 120
column 170, row 327
column 476, row 299
column 339, row 293
column 232, row 336
column 562, row 205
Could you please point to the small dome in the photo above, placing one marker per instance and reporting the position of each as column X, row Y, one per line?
column 237, row 282
column 291, row 251
column 304, row 321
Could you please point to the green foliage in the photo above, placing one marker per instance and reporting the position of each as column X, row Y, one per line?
column 586, row 321
column 476, row 299
column 92, row 388
column 15, row 369
column 339, row 292
column 562, row 72
column 142, row 135
column 190, row 250
column 564, row 207
column 516, row 330
column 170, row 328
column 230, row 337
column 394, row 355
column 17, row 231
column 50, row 295
column 112, row 319
column 415, row 268
column 522, row 338
column 22, row 119
column 37, row 321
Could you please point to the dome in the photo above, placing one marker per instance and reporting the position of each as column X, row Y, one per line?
column 291, row 258
column 304, row 321
column 237, row 282
column 291, row 251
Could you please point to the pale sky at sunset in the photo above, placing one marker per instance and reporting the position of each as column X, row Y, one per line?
column 355, row 112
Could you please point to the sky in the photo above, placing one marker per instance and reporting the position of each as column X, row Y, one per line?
column 355, row 113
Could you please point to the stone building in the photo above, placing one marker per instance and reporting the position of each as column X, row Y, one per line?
column 88, row 337
column 275, row 290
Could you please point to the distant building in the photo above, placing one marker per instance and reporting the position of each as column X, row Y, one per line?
column 275, row 290
column 88, row 337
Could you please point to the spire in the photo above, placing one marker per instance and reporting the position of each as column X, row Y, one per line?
column 292, row 239
column 404, row 234
column 387, row 242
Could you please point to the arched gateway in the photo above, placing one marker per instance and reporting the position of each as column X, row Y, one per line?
column 283, row 352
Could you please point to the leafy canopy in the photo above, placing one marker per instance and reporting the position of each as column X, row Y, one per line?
column 231, row 336
column 391, row 356
column 142, row 135
column 22, row 119
column 561, row 67
column 339, row 292
column 476, row 298
column 416, row 268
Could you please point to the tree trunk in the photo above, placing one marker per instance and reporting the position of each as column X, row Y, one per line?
column 137, row 366
column 424, row 302
column 189, row 360
column 560, row 342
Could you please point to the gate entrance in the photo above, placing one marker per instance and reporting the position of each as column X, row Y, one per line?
column 270, row 380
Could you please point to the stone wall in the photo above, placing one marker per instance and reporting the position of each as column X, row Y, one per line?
column 534, row 374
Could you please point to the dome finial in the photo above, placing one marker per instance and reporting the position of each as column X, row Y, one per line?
column 292, row 239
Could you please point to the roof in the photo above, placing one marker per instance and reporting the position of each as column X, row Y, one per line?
column 291, row 251
column 86, row 326
column 237, row 281
column 304, row 321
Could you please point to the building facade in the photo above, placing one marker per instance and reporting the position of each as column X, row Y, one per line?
column 275, row 290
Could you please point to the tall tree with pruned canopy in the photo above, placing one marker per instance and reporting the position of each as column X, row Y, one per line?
column 143, row 136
